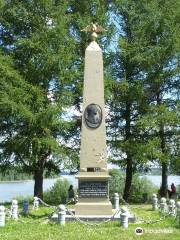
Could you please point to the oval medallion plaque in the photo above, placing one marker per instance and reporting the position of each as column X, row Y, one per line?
column 93, row 115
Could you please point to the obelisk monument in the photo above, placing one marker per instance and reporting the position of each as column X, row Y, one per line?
column 93, row 194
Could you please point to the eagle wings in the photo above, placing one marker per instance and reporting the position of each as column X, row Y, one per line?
column 93, row 27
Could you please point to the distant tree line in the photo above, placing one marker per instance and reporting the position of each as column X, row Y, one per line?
column 41, row 78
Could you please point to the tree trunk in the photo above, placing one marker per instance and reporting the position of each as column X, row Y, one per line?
column 129, row 169
column 164, row 175
column 38, row 175
column 38, row 183
column 164, row 187
column 128, row 181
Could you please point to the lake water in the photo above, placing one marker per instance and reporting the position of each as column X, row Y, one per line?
column 10, row 190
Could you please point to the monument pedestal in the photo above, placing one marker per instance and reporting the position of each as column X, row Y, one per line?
column 94, row 208
column 93, row 194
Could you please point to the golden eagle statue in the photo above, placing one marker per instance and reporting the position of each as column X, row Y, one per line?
column 94, row 28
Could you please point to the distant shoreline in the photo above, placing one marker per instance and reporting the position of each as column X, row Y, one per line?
column 55, row 178
column 25, row 180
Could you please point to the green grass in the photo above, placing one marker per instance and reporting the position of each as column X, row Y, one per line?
column 36, row 227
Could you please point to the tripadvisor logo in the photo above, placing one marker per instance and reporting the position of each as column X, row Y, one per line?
column 139, row 231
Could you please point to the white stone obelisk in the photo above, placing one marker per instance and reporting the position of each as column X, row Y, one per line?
column 93, row 175
column 93, row 141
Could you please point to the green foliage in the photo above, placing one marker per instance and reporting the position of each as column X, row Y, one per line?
column 116, row 182
column 21, row 199
column 144, row 87
column 33, row 99
column 14, row 175
column 141, row 189
column 47, row 47
column 58, row 193
column 178, row 189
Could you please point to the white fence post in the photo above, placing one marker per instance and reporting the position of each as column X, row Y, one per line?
column 124, row 217
column 14, row 209
column 172, row 207
column 154, row 202
column 116, row 201
column 26, row 207
column 163, row 205
column 36, row 203
column 2, row 216
column 62, row 214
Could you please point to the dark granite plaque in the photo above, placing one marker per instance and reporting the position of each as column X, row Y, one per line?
column 93, row 189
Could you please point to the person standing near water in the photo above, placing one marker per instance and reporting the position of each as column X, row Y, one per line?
column 172, row 192
column 71, row 194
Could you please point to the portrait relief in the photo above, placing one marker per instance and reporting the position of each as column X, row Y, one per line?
column 93, row 115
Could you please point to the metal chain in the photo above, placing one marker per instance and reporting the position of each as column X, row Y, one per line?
column 153, row 221
column 148, row 221
column 91, row 224
column 45, row 204
column 162, row 218
column 48, row 205
column 105, row 221
column 72, row 214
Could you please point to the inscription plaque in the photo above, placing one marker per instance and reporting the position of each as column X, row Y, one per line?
column 93, row 189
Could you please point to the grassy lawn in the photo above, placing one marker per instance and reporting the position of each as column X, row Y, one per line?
column 37, row 227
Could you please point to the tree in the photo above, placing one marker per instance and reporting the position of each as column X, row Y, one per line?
column 14, row 105
column 134, row 64
column 36, row 35
column 47, row 48
column 160, row 37
column 128, row 100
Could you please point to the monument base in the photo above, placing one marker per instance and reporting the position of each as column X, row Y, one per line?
column 93, row 194
column 93, row 208
column 93, row 218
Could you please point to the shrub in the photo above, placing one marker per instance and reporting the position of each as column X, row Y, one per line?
column 116, row 182
column 21, row 199
column 178, row 191
column 141, row 190
column 58, row 193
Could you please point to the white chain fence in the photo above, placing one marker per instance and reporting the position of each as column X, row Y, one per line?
column 138, row 219
column 163, row 216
